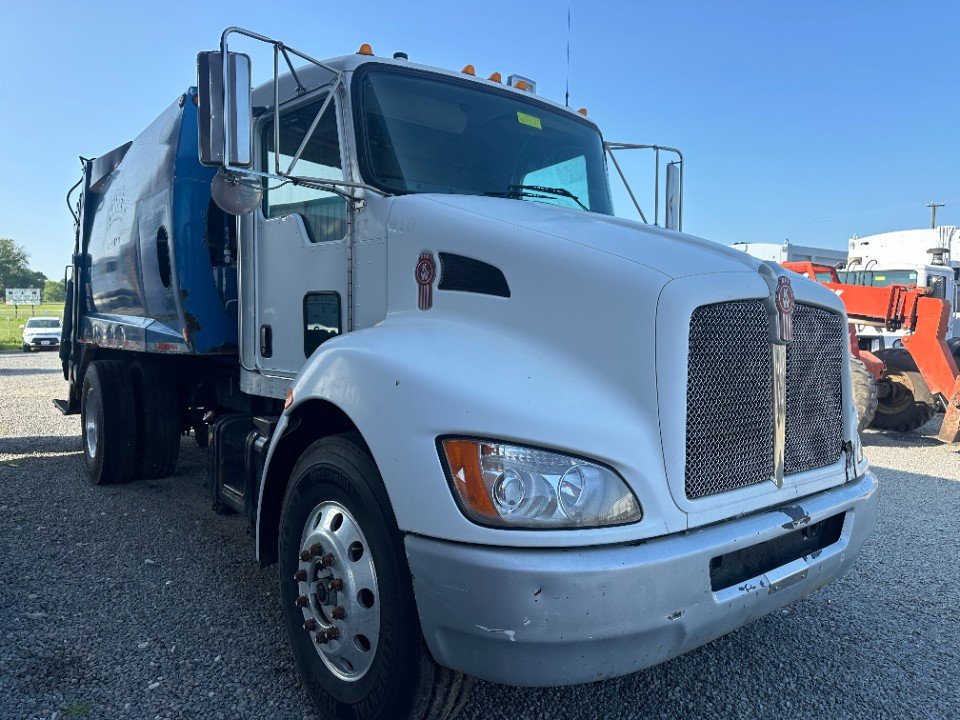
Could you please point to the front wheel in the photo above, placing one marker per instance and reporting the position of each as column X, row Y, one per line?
column 347, row 596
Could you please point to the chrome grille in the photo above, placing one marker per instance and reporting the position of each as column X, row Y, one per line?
column 814, row 390
column 730, row 423
column 729, row 398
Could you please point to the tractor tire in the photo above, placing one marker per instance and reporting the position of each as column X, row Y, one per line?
column 158, row 420
column 107, row 421
column 909, row 404
column 864, row 393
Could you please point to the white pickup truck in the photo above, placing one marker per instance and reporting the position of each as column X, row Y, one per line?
column 485, row 428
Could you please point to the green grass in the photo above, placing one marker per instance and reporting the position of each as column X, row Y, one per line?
column 11, row 318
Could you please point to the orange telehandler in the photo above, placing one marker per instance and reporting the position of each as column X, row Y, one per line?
column 913, row 382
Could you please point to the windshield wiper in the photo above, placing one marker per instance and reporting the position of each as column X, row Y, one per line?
column 533, row 191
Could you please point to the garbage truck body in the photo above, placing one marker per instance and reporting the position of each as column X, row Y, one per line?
column 486, row 428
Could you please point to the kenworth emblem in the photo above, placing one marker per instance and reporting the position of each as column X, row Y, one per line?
column 785, row 304
column 425, row 273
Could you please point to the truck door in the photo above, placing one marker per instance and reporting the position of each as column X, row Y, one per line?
column 301, row 245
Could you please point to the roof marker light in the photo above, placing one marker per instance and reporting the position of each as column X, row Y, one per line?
column 469, row 70
column 495, row 77
column 365, row 49
column 582, row 111
column 518, row 82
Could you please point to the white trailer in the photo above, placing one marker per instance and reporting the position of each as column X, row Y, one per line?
column 792, row 252
column 484, row 427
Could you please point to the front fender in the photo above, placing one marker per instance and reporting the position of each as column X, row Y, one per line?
column 414, row 378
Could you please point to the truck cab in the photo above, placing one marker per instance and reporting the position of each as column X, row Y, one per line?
column 906, row 257
column 484, row 427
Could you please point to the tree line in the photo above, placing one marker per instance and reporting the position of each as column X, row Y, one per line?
column 15, row 272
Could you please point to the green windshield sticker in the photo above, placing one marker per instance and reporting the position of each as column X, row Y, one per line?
column 529, row 120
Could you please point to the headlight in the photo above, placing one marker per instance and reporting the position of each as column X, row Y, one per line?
column 512, row 486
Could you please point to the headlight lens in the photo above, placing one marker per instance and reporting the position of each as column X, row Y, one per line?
column 513, row 486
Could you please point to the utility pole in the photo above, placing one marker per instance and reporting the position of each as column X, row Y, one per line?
column 933, row 213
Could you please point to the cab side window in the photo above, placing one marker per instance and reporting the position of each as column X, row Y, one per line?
column 323, row 213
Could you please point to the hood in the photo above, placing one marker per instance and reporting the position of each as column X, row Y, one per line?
column 647, row 245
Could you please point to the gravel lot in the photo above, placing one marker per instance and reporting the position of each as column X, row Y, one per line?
column 139, row 602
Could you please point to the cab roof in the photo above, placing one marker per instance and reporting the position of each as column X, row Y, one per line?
column 313, row 76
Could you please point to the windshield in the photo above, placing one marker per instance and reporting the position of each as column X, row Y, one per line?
column 424, row 133
column 879, row 278
column 43, row 323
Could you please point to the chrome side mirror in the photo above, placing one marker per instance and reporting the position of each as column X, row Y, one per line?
column 225, row 116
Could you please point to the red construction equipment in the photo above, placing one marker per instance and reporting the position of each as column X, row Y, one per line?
column 911, row 382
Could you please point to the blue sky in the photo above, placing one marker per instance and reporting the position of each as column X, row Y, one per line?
column 810, row 121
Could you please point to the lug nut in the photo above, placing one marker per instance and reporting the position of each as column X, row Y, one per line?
column 325, row 636
column 303, row 601
column 300, row 575
column 338, row 613
column 327, row 560
column 336, row 584
column 310, row 625
column 305, row 555
column 316, row 549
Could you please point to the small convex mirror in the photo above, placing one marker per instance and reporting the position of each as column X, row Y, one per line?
column 225, row 118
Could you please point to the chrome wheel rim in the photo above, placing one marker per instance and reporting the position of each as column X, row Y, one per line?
column 91, row 404
column 338, row 592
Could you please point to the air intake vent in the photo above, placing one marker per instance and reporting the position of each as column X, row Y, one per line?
column 464, row 274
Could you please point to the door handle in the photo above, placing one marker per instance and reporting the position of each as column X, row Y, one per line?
column 266, row 341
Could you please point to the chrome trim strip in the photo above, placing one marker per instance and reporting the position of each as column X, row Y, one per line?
column 779, row 411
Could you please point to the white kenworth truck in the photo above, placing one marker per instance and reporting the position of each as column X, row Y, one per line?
column 485, row 428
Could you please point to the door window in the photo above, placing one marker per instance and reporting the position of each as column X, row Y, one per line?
column 323, row 213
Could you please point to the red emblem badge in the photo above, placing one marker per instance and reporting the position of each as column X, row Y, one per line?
column 426, row 273
column 785, row 304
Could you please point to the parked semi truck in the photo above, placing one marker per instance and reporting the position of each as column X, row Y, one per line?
column 484, row 428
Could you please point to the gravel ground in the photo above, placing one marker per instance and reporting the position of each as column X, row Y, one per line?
column 139, row 602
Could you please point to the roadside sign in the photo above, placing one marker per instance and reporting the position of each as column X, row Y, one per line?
column 23, row 296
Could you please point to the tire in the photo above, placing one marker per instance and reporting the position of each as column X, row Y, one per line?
column 107, row 423
column 396, row 677
column 158, row 420
column 26, row 348
column 909, row 404
column 864, row 393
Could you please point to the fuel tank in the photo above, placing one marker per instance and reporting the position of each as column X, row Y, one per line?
column 161, row 256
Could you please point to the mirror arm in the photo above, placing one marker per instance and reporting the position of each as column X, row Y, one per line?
column 310, row 130
column 626, row 184
column 296, row 78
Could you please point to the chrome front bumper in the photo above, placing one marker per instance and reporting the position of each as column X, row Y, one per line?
column 563, row 616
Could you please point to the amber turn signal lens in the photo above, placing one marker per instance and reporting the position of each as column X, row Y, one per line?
column 463, row 460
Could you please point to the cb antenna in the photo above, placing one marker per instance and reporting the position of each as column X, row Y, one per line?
column 566, row 101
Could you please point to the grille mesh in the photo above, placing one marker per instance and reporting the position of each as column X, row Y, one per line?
column 730, row 422
column 729, row 398
column 814, row 390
